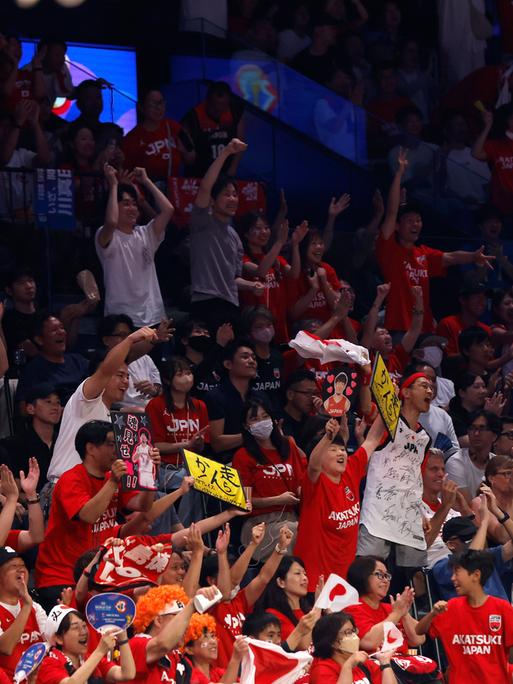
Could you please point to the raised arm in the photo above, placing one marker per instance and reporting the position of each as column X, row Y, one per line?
column 240, row 567
column 253, row 270
column 36, row 524
column 235, row 146
column 98, row 504
column 411, row 336
column 96, row 383
column 257, row 586
column 478, row 543
column 195, row 546
column 112, row 210
column 369, row 327
column 295, row 261
column 478, row 151
column 423, row 625
column 224, row 582
column 394, row 196
column 336, row 207
column 460, row 257
column 9, row 489
column 449, row 491
column 315, row 463
column 165, row 209
column 374, row 436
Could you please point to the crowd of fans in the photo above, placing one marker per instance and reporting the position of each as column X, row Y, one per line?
column 267, row 366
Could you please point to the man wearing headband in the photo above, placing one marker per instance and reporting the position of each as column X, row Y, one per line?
column 163, row 615
column 391, row 512
column 22, row 621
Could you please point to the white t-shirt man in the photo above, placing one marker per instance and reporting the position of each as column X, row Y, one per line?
column 439, row 426
column 131, row 284
column 77, row 412
column 461, row 470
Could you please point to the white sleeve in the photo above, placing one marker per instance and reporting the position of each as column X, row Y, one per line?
column 456, row 471
column 41, row 616
column 154, row 375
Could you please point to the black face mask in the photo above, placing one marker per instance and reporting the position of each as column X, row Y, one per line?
column 200, row 343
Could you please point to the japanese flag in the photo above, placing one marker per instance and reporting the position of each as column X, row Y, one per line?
column 392, row 638
column 312, row 347
column 266, row 663
column 337, row 594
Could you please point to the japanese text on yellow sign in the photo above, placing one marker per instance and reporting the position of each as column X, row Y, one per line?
column 383, row 391
column 216, row 479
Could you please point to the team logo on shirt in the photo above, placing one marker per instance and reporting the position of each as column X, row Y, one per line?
column 349, row 494
column 276, row 373
column 495, row 622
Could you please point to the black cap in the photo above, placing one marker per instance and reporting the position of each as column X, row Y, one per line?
column 472, row 288
column 41, row 391
column 461, row 527
column 7, row 554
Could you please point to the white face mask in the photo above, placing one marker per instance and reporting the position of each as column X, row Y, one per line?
column 349, row 644
column 262, row 429
column 432, row 355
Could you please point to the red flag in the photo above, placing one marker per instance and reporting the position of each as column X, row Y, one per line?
column 266, row 663
column 134, row 563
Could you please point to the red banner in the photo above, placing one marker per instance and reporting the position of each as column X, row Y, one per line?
column 182, row 193
column 132, row 563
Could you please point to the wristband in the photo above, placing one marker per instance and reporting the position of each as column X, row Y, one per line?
column 86, row 573
column 34, row 501
column 504, row 519
column 366, row 379
column 384, row 667
column 280, row 552
column 122, row 643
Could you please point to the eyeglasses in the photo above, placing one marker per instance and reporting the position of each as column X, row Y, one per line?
column 348, row 632
column 505, row 473
column 508, row 434
column 382, row 575
column 479, row 429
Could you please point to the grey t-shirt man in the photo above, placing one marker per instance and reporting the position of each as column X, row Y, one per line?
column 216, row 258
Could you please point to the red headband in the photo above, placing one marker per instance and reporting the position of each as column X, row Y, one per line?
column 410, row 380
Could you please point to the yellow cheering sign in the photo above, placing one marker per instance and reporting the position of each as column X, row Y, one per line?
column 383, row 391
column 216, row 479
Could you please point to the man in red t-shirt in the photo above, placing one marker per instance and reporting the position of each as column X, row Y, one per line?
column 330, row 503
column 21, row 620
column 472, row 298
column 157, row 144
column 404, row 264
column 162, row 617
column 85, row 503
column 498, row 152
column 476, row 629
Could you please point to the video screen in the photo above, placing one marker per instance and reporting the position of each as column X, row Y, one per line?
column 117, row 65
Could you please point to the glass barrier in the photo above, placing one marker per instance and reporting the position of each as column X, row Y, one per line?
column 451, row 182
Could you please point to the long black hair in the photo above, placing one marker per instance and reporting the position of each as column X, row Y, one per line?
column 244, row 225
column 168, row 370
column 275, row 597
column 278, row 439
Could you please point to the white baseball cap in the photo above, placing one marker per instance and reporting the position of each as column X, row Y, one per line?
column 53, row 622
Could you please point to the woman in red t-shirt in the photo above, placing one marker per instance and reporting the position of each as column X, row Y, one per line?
column 262, row 261
column 338, row 658
column 285, row 596
column 200, row 641
column 273, row 465
column 67, row 632
column 370, row 577
column 177, row 420
column 317, row 290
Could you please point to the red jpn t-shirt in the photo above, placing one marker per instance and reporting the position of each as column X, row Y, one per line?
column 164, row 670
column 327, row 671
column 286, row 624
column 328, row 521
column 272, row 478
column 366, row 617
column 275, row 295
column 67, row 537
column 499, row 154
column 53, row 668
column 176, row 426
column 31, row 634
column 318, row 308
column 229, row 617
column 156, row 150
column 404, row 267
column 476, row 640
